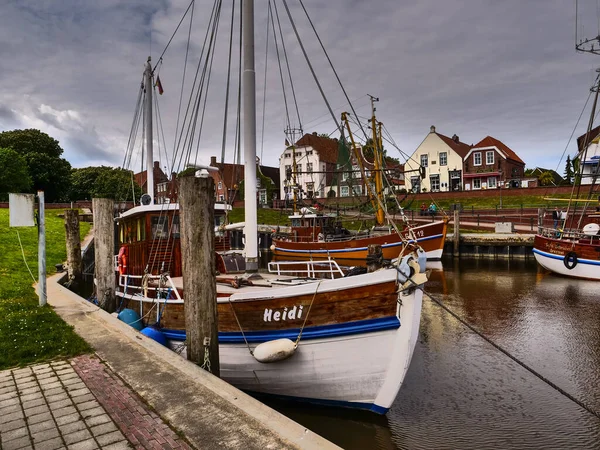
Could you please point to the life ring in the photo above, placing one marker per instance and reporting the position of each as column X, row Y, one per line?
column 122, row 260
column 570, row 260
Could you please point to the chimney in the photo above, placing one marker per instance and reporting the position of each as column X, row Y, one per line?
column 455, row 138
column 156, row 165
column 213, row 161
column 432, row 129
column 314, row 133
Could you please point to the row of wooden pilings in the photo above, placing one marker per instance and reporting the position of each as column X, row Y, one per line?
column 196, row 197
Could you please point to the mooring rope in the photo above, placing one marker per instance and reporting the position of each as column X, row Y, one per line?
column 514, row 358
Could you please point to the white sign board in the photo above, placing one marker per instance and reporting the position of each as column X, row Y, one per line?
column 21, row 210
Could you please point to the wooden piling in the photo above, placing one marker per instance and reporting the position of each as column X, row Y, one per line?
column 456, row 249
column 104, row 250
column 73, row 239
column 197, row 200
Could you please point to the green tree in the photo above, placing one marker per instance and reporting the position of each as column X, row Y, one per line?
column 568, row 171
column 117, row 184
column 14, row 176
column 546, row 178
column 83, row 182
column 48, row 171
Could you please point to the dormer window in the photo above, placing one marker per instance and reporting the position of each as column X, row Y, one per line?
column 477, row 158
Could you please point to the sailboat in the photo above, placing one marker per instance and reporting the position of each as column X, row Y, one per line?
column 572, row 247
column 316, row 236
column 349, row 340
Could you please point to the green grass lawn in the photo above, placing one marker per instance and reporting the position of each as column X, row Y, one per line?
column 29, row 333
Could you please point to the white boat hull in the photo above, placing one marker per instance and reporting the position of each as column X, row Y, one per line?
column 585, row 268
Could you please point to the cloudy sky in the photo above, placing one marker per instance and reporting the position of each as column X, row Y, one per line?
column 473, row 67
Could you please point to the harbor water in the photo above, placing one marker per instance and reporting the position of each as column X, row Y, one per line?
column 462, row 392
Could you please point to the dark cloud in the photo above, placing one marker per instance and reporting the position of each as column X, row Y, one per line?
column 477, row 68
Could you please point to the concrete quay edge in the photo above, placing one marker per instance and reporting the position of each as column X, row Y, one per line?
column 208, row 411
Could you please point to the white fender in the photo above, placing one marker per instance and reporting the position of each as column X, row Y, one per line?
column 273, row 351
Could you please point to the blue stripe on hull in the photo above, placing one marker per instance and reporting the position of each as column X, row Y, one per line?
column 356, row 249
column 334, row 403
column 323, row 331
column 589, row 262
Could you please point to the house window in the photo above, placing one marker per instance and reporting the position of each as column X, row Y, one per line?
column 220, row 185
column 221, row 198
column 345, row 191
column 491, row 182
column 424, row 159
column 434, row 181
column 310, row 188
column 443, row 159
column 288, row 169
column 309, row 167
column 308, row 152
column 489, row 158
column 477, row 158
column 415, row 182
column 298, row 168
column 287, row 155
column 476, row 183
column 357, row 189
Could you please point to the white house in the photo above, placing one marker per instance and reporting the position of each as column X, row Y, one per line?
column 590, row 160
column 442, row 160
column 316, row 158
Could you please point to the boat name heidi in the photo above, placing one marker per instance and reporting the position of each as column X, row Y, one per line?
column 293, row 313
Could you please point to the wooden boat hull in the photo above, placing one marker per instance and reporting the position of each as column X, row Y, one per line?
column 355, row 348
column 568, row 258
column 431, row 237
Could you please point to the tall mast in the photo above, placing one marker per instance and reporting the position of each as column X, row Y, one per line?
column 377, row 165
column 148, row 122
column 249, row 90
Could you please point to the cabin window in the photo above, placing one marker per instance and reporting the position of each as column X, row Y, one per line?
column 160, row 227
column 141, row 230
column 128, row 232
column 489, row 157
column 477, row 159
column 295, row 222
column 443, row 159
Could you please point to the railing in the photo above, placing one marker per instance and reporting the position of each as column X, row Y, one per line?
column 141, row 284
column 310, row 268
column 570, row 235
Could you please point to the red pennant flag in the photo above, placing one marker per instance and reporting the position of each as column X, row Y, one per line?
column 159, row 85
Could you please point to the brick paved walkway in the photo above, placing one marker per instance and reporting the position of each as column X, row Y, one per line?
column 78, row 404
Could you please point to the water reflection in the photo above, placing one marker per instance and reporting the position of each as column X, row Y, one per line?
column 461, row 392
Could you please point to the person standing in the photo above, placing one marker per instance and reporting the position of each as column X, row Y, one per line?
column 555, row 217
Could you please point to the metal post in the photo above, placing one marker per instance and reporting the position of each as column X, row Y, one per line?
column 249, row 89
column 41, row 249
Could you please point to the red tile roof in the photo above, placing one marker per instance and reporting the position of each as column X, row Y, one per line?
column 326, row 147
column 459, row 147
column 489, row 141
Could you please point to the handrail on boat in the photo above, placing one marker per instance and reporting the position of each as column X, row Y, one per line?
column 330, row 267
column 124, row 283
column 569, row 235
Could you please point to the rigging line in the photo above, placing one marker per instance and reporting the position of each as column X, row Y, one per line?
column 204, row 81
column 187, row 49
column 224, row 142
column 178, row 148
column 287, row 113
column 162, row 133
column 173, row 35
column 511, row 356
column 262, row 132
column 312, row 71
column 132, row 130
column 573, row 132
column 287, row 63
column 209, row 68
column 328, row 59
column 335, row 109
